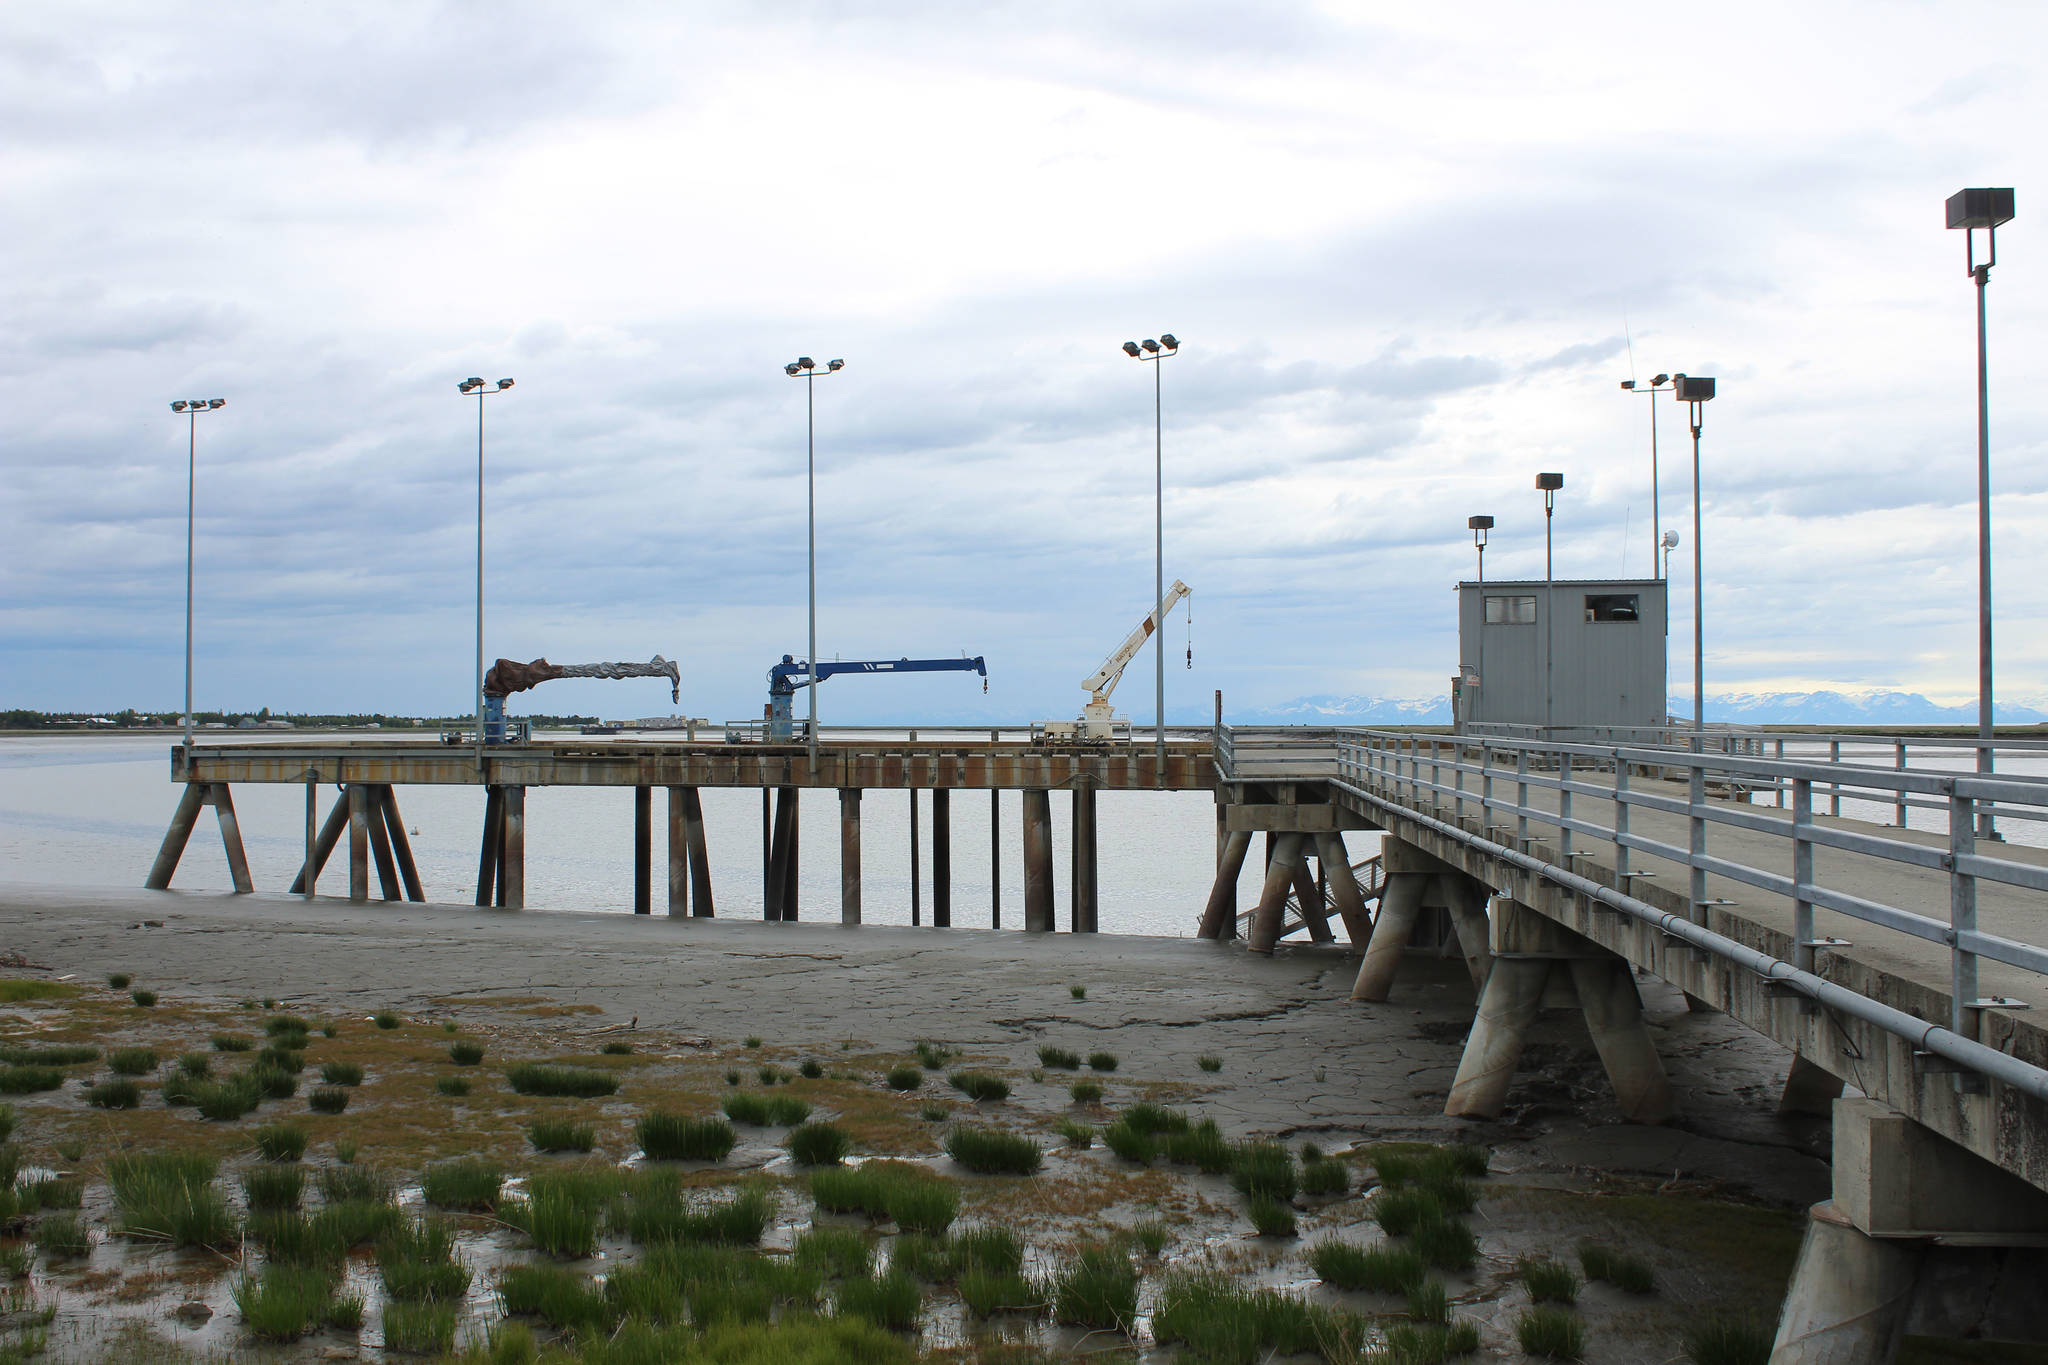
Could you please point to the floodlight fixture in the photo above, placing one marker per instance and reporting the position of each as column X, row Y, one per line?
column 834, row 366
column 806, row 363
column 216, row 402
column 1971, row 209
column 1660, row 379
column 1670, row 541
column 1479, row 526
column 1628, row 383
column 1479, row 523
column 1151, row 346
column 1131, row 348
column 1550, row 483
column 177, row 405
column 1166, row 339
column 504, row 383
column 1691, row 388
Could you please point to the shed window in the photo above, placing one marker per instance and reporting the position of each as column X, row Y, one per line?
column 1504, row 610
column 1615, row 606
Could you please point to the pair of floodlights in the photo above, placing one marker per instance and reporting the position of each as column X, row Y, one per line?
column 805, row 365
column 198, row 404
column 472, row 384
column 1149, row 349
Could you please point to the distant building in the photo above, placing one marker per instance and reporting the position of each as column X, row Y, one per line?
column 1603, row 640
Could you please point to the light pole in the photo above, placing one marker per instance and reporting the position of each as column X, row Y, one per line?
column 1656, row 533
column 1148, row 349
column 191, row 407
column 1693, row 390
column 1479, row 526
column 1548, row 484
column 1970, row 210
column 806, row 369
column 476, row 386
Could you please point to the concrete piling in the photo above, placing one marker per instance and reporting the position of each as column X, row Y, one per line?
column 700, row 854
column 358, row 842
column 1283, row 854
column 1083, row 848
column 1219, row 916
column 1344, row 888
column 1613, row 1008
column 678, row 854
column 942, row 858
column 1507, row 1006
column 1400, row 903
column 380, row 843
column 643, row 850
column 490, row 855
column 177, row 836
column 1851, row 1295
column 1465, row 898
column 849, row 855
column 324, row 845
column 1809, row 1089
column 995, row 858
column 512, row 874
column 401, row 846
column 1038, row 910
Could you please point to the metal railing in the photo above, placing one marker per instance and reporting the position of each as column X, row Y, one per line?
column 1478, row 789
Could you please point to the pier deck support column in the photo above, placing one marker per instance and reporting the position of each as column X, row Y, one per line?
column 177, row 836
column 1308, row 894
column 643, row 850
column 380, row 842
column 1084, row 855
column 782, row 860
column 849, row 855
column 323, row 847
column 1400, row 902
column 492, row 852
column 995, row 858
column 1607, row 993
column 1219, row 916
column 1336, row 861
column 231, row 837
column 1038, row 911
column 1465, row 898
column 942, row 858
column 1286, row 853
column 678, row 854
column 1850, row 1295
column 358, row 842
column 512, row 875
column 700, row 854
column 1507, row 1006
column 408, row 870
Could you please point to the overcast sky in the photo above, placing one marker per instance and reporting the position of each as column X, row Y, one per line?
column 1403, row 246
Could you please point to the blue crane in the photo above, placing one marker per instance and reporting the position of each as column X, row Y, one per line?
column 786, row 677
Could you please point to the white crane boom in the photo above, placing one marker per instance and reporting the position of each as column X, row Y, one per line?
column 1098, row 721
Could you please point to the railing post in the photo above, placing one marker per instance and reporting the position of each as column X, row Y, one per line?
column 1458, row 776
column 1835, row 785
column 1621, row 881
column 1522, row 800
column 1564, row 809
column 1697, row 820
column 1802, row 873
column 1485, row 790
column 1436, row 780
column 1962, row 917
column 1781, row 785
column 1899, row 763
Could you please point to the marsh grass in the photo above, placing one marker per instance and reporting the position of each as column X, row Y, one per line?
column 1085, row 1092
column 344, row 1150
column 1102, row 1061
column 771, row 1075
column 63, row 1235
column 231, row 1042
column 1098, row 1288
column 666, row 1136
column 890, row 1300
column 271, row 1187
column 170, row 1197
column 1550, row 1333
column 1323, row 1176
column 1429, row 1302
column 561, row 1135
column 386, row 1019
column 987, row 1293
column 905, row 1078
column 979, row 1085
column 224, row 1100
column 751, row 1042
column 732, row 1078
column 48, row 1054
column 327, row 1099
column 934, row 1112
column 416, row 1261
column 285, row 1302
column 658, row 1211
column 278, row 1024
column 143, row 999
column 1078, row 992
column 119, row 980
column 1374, row 1270
column 1264, row 1169
column 51, row 1192
column 917, row 1199
column 1202, row 1146
column 270, row 1082
column 616, row 1049
column 465, row 1054
column 835, row 1251
column 1723, row 1340
column 1623, row 1271
column 455, row 1087
column 1209, row 1062
column 119, row 1093
column 195, row 1065
column 1077, row 1134
column 819, row 1144
column 563, row 1211
column 934, row 1056
column 992, row 1151
column 1448, row 1245
column 766, row 1111
column 1400, row 1211
column 468, row 1183
column 811, row 1068
column 132, row 1061
column 541, row 1078
column 1059, row 1059
column 560, row 1297
column 1410, row 1343
column 1549, row 1281
column 280, row 1141
column 1130, row 1143
column 1270, row 1217
column 27, row 1080
column 1220, row 1319
column 1151, row 1235
column 419, row 1328
column 341, row 1073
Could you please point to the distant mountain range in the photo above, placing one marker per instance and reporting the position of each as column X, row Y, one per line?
column 1876, row 707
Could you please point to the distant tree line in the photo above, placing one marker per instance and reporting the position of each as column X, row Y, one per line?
column 16, row 718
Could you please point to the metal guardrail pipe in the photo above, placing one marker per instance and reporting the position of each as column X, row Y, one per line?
column 1934, row 1039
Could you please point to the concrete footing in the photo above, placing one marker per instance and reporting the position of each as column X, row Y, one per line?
column 1850, row 1295
column 1400, row 902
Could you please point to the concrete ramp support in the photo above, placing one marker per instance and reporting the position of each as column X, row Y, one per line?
column 1273, row 896
column 1219, row 916
column 1400, row 903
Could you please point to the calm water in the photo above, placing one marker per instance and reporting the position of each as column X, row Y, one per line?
column 91, row 810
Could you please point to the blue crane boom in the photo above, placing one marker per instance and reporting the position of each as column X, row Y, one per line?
column 786, row 677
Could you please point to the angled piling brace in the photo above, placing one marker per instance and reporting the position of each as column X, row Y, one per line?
column 358, row 841
column 1344, row 888
column 1038, row 908
column 1286, row 855
column 942, row 858
column 678, row 854
column 1219, row 916
column 408, row 871
column 231, row 837
column 700, row 855
column 323, row 847
column 176, row 836
column 1466, row 898
column 488, row 855
column 1606, row 988
column 1308, row 893
column 1085, row 885
column 849, row 855
column 1400, row 902
column 1510, row 1002
column 643, row 850
column 380, row 841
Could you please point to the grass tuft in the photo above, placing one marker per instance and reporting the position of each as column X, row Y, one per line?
column 991, row 1151
column 285, row 1302
column 1078, row 992
column 835, row 1251
column 1099, row 1289
column 132, row 1061
column 1374, row 1270
column 1448, row 1245
column 1727, row 1341
column 419, row 1328
column 231, row 1042
column 120, row 1093
column 1219, row 1319
column 341, row 1073
column 1625, row 1272
column 1059, row 1059
column 280, row 1142
column 666, row 1136
column 1209, row 1062
column 1077, row 1134
column 819, row 1144
column 1265, row 1169
column 616, row 1049
column 934, row 1056
column 270, row 1187
column 905, row 1078
column 811, row 1068
column 328, row 1099
column 561, row 1135
column 1323, row 1175
column 27, row 1080
column 386, row 1019
column 766, row 1111
column 1130, row 1143
column 1549, row 1333
column 63, row 1235
column 170, row 1197
column 1270, row 1217
column 453, row 1086
column 890, row 1301
column 1549, row 1281
column 468, row 1183
column 119, row 980
column 1102, row 1061
column 465, row 1054
column 146, row 999
column 979, row 1085
column 195, row 1065
column 1086, row 1092
column 540, row 1078
column 560, row 1297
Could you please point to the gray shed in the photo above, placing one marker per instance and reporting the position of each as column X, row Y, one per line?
column 1604, row 640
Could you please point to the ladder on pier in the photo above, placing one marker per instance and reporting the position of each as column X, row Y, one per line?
column 1370, row 875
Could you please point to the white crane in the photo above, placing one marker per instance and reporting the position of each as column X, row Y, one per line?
column 1097, row 720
